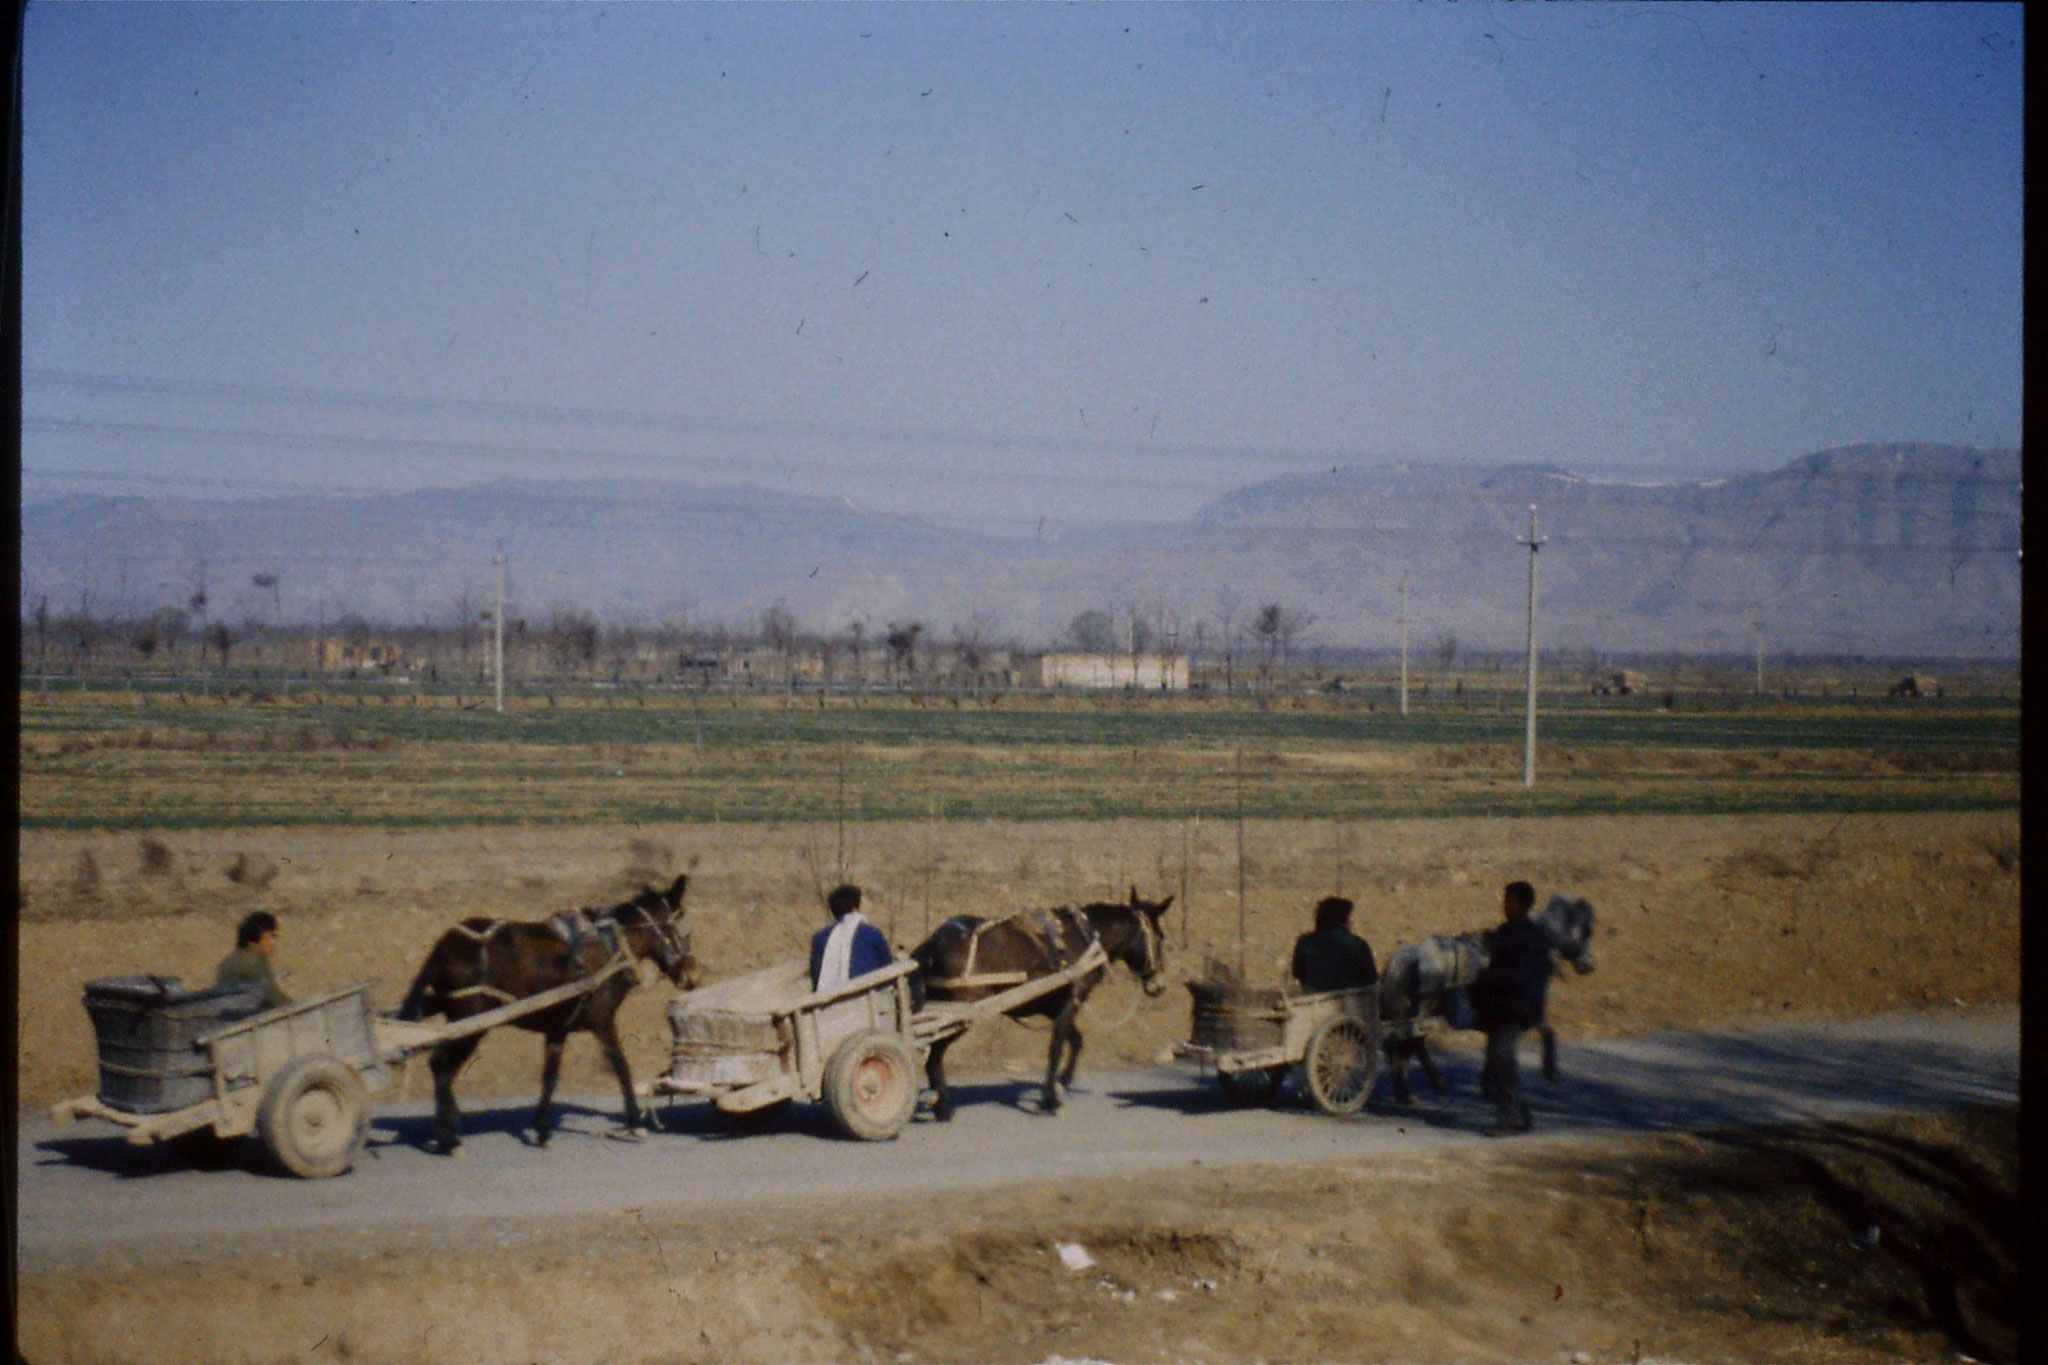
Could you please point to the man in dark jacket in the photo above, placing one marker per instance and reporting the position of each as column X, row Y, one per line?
column 1331, row 957
column 1507, row 1000
column 249, row 963
column 850, row 947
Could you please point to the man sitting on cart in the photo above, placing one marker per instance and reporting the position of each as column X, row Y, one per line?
column 851, row 947
column 249, row 963
column 1331, row 957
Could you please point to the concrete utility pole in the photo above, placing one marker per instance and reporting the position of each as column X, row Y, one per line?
column 1404, row 644
column 1535, row 543
column 498, row 632
column 1240, row 865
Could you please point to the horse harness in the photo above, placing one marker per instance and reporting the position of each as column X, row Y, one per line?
column 1052, row 929
column 573, row 928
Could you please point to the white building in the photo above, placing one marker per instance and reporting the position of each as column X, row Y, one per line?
column 1152, row 671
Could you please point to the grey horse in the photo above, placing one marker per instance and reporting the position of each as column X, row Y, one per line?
column 1427, row 980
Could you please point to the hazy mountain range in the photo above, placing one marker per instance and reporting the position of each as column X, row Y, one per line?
column 1899, row 549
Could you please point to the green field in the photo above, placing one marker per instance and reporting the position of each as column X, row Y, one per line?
column 392, row 757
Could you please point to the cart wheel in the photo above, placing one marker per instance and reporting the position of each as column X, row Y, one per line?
column 1342, row 1062
column 1255, row 1086
column 754, row 1120
column 871, row 1086
column 314, row 1116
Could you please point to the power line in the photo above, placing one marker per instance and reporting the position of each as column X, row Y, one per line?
column 425, row 451
column 663, row 421
column 1346, row 537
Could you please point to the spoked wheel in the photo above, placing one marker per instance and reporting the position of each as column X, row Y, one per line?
column 1255, row 1086
column 871, row 1086
column 314, row 1116
column 1342, row 1062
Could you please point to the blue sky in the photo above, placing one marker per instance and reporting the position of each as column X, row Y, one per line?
column 999, row 262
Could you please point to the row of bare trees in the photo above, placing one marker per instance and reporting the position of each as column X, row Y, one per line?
column 574, row 644
column 1259, row 643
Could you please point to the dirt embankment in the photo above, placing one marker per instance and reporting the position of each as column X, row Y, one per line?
column 1701, row 920
column 1878, row 1241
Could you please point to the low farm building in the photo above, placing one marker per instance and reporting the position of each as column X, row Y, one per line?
column 338, row 655
column 1154, row 672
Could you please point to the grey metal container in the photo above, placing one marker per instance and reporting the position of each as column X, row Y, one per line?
column 146, row 1027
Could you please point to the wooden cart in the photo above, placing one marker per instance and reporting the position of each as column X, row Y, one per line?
column 1251, row 1038
column 755, row 1044
column 298, row 1076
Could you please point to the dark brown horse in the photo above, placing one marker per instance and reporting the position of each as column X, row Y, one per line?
column 968, row 959
column 484, row 963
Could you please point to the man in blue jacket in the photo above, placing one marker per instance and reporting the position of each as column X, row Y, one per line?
column 850, row 947
column 1507, row 1000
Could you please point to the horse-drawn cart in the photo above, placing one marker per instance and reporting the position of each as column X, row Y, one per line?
column 175, row 1063
column 757, row 1043
column 1251, row 1038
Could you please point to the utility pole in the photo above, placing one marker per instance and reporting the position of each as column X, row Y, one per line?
column 1535, row 543
column 1756, row 631
column 1404, row 644
column 498, row 632
column 1240, row 865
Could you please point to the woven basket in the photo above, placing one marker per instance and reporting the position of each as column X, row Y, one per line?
column 1231, row 1017
column 711, row 1033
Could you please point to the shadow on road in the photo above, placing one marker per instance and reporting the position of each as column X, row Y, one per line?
column 1655, row 1084
column 1712, row 1082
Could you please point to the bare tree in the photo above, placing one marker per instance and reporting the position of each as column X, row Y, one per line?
column 573, row 639
column 270, row 581
column 84, row 630
column 902, row 641
column 779, row 633
column 1227, row 603
column 1141, row 631
column 858, row 637
column 971, row 645
column 1092, row 632
column 220, row 639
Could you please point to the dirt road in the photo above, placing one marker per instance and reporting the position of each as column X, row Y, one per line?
column 85, row 1196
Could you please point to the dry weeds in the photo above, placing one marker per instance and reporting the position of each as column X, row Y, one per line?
column 1702, row 919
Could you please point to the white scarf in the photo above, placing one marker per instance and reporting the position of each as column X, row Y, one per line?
column 839, row 950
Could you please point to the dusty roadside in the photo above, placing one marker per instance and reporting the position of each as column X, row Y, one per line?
column 1702, row 920
column 1883, row 1239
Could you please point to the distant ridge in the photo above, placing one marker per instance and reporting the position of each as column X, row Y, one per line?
column 1904, row 548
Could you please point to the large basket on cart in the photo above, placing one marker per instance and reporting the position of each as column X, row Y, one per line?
column 757, row 1043
column 1253, row 1036
column 147, row 1028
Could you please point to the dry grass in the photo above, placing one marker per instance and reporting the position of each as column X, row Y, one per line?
column 1713, row 1247
column 1702, row 919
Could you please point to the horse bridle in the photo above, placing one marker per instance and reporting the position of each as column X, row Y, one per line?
column 1571, row 943
column 1154, row 939
column 671, row 944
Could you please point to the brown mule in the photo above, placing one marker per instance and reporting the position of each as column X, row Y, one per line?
column 484, row 963
column 968, row 959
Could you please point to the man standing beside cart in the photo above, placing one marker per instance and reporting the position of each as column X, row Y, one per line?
column 1330, row 957
column 249, row 963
